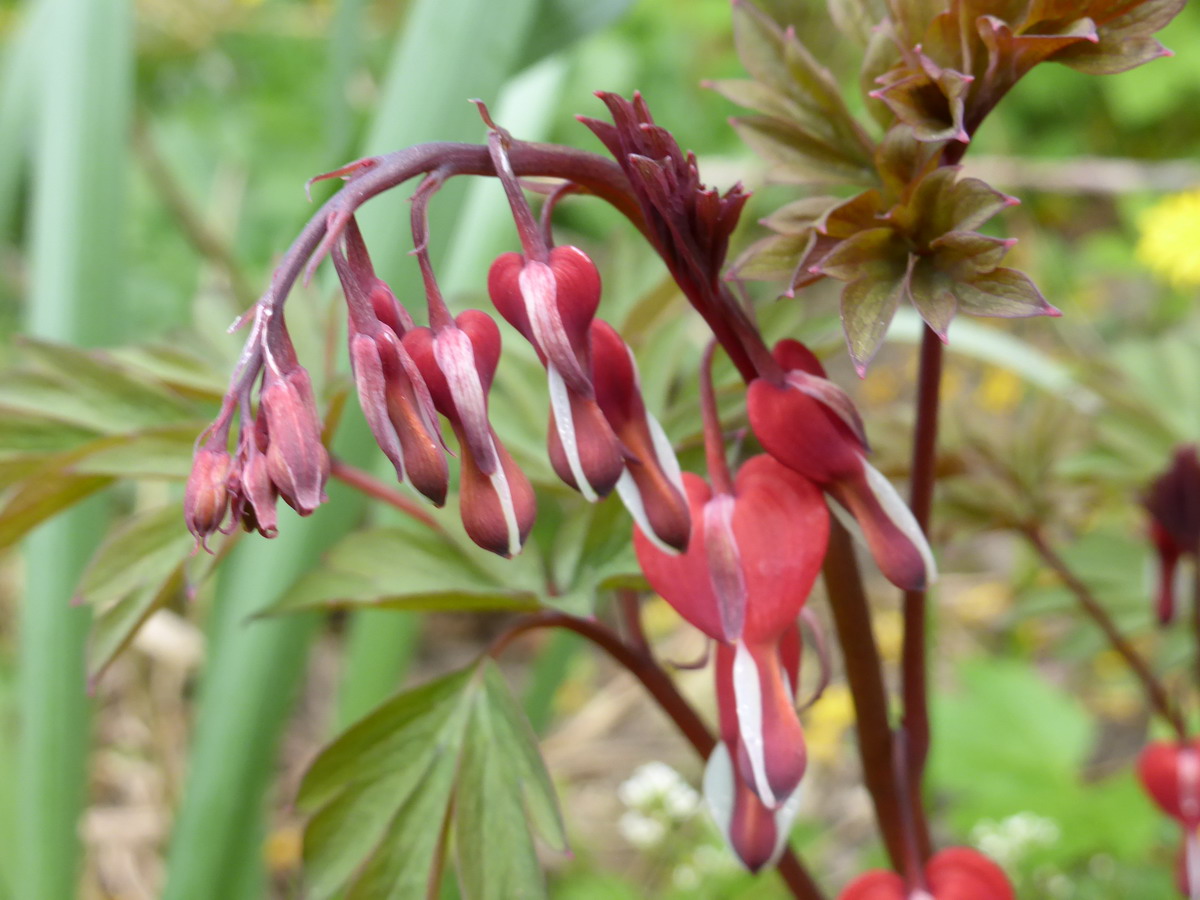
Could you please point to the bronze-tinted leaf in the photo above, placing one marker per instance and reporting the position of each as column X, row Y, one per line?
column 851, row 259
column 868, row 306
column 929, row 291
column 1002, row 292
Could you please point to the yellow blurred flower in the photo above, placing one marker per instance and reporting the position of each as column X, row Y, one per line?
column 982, row 603
column 889, row 633
column 1170, row 234
column 826, row 723
column 999, row 390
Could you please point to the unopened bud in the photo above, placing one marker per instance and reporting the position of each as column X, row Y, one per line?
column 206, row 497
column 297, row 460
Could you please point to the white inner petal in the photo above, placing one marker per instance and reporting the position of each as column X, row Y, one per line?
column 747, row 694
column 499, row 481
column 564, row 424
column 897, row 510
column 455, row 356
column 718, row 788
column 627, row 490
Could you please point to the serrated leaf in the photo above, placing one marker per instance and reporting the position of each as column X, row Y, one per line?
column 142, row 549
column 856, row 18
column 23, row 432
column 757, row 96
column 136, row 569
column 406, row 566
column 385, row 790
column 773, row 258
column 868, row 306
column 800, row 215
column 796, row 155
column 498, row 861
column 962, row 254
column 89, row 388
column 852, row 259
column 1006, row 293
column 928, row 290
column 42, row 494
column 1125, row 42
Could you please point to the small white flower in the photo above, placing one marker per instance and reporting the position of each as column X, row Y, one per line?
column 641, row 830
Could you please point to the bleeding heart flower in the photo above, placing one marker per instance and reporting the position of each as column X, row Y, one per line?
column 1170, row 773
column 651, row 487
column 956, row 873
column 391, row 390
column 552, row 305
column 458, row 362
column 297, row 460
column 808, row 424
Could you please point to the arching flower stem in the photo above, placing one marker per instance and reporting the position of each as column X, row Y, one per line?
column 714, row 440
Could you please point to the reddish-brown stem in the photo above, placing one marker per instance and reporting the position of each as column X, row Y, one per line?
column 864, row 674
column 914, row 655
column 1196, row 617
column 373, row 487
column 1156, row 693
column 440, row 316
column 714, row 440
column 659, row 685
column 630, row 605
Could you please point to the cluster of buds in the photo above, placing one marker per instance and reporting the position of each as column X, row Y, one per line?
column 601, row 436
column 956, row 873
column 279, row 449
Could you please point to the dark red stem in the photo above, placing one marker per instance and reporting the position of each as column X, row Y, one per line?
column 660, row 686
column 714, row 440
column 864, row 674
column 1156, row 694
column 914, row 656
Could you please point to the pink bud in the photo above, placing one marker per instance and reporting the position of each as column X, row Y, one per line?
column 1168, row 568
column 812, row 429
column 206, row 497
column 651, row 486
column 297, row 460
column 496, row 500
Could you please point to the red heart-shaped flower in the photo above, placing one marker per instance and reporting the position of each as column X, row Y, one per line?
column 1170, row 772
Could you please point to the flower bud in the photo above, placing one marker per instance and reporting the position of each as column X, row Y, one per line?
column 254, row 494
column 496, row 500
column 758, row 717
column 552, row 306
column 756, row 834
column 810, row 426
column 297, row 460
column 206, row 497
column 1170, row 773
column 651, row 486
column 956, row 873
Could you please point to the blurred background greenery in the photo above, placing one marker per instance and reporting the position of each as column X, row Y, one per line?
column 153, row 155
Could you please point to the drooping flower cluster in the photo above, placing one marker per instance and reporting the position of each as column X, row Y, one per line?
column 1170, row 773
column 601, row 435
column 279, row 449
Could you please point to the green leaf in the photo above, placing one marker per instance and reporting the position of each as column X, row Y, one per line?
column 497, row 861
column 929, row 291
column 868, row 305
column 134, row 571
column 1002, row 292
column 144, row 548
column 796, row 155
column 407, row 566
column 89, row 388
column 1125, row 42
column 43, row 494
column 456, row 749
